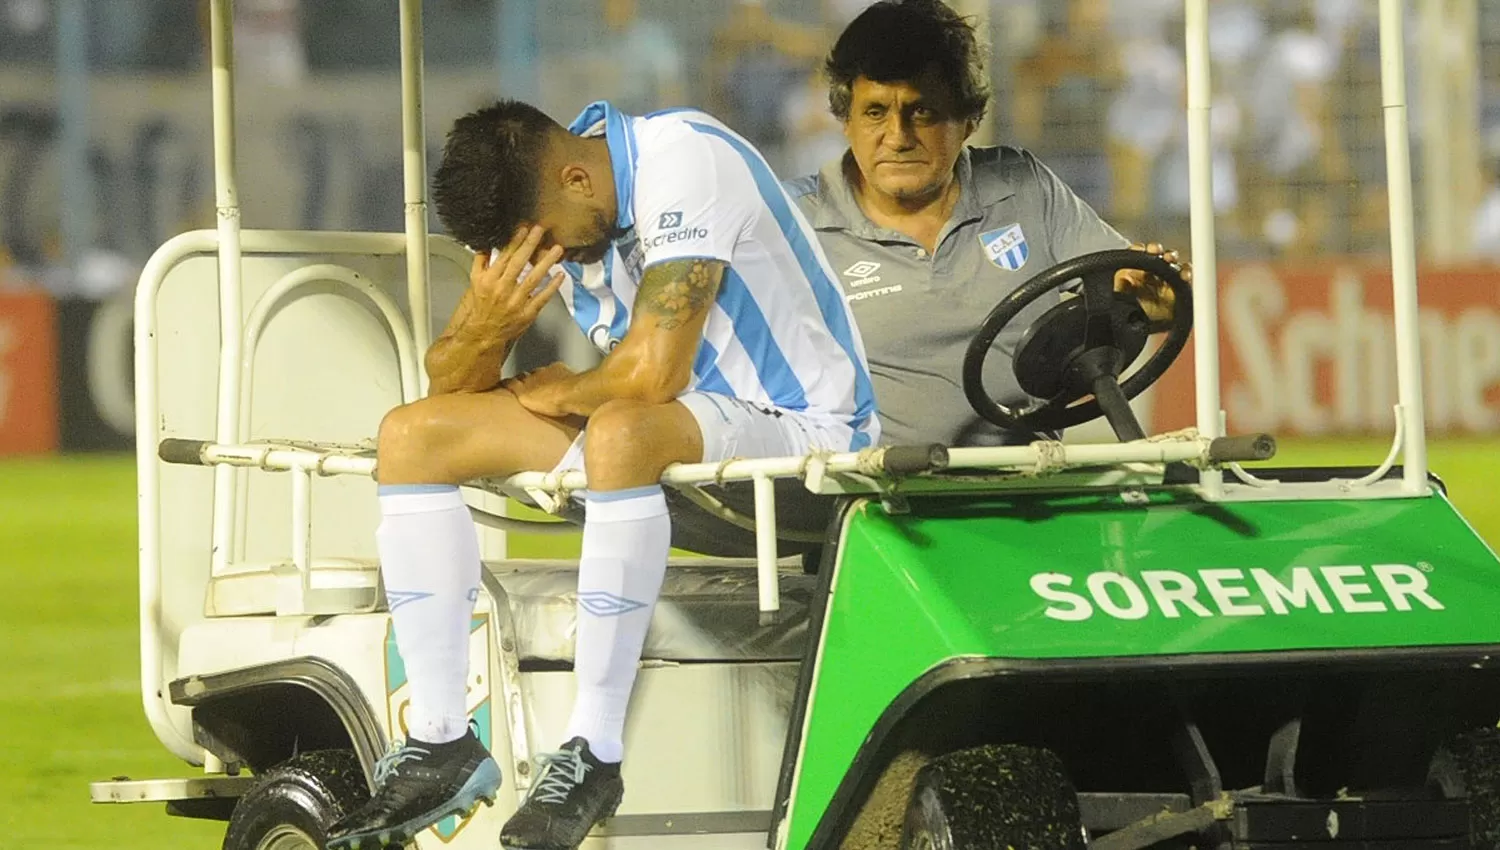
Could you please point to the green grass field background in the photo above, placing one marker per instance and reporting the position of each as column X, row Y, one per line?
column 70, row 710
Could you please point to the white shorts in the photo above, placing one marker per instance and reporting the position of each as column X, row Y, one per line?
column 732, row 427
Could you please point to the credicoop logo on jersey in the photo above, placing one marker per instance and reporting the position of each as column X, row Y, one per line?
column 671, row 222
column 1349, row 589
column 1006, row 247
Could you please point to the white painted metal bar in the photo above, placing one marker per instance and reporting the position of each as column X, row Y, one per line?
column 1204, row 255
column 1403, row 245
column 1043, row 456
column 406, row 351
column 767, row 577
column 231, row 308
column 255, row 325
column 414, row 171
column 302, row 521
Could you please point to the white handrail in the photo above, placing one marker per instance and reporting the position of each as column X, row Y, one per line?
column 226, row 203
column 1403, row 245
column 414, row 176
column 255, row 324
column 1204, row 255
column 1043, row 455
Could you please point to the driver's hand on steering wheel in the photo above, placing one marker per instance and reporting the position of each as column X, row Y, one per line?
column 1155, row 296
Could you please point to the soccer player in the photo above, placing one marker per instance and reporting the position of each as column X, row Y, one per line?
column 724, row 335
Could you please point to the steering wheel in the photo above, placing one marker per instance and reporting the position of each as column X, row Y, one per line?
column 1079, row 347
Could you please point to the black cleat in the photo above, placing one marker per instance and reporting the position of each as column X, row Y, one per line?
column 417, row 785
column 573, row 792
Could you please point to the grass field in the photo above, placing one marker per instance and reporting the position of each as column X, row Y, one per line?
column 72, row 713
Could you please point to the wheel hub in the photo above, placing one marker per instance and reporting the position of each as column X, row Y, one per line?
column 287, row 837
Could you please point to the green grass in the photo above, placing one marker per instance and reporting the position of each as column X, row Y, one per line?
column 71, row 712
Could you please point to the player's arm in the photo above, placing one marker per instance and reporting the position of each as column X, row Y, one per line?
column 503, row 299
column 654, row 361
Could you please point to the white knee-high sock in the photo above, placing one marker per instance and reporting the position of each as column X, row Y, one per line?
column 626, row 540
column 429, row 554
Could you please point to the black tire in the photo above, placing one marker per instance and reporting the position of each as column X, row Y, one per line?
column 993, row 798
column 295, row 802
column 1469, row 766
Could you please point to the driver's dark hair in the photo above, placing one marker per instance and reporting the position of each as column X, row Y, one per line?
column 896, row 40
column 488, row 182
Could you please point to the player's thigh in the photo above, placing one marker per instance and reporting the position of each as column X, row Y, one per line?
column 459, row 436
column 732, row 427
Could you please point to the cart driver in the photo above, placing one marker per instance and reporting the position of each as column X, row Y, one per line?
column 926, row 234
column 724, row 335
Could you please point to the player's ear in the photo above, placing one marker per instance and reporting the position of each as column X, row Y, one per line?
column 576, row 181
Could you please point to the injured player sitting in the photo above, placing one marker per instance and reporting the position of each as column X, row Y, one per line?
column 724, row 335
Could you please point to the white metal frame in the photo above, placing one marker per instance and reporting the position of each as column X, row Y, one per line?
column 1411, row 441
column 853, row 472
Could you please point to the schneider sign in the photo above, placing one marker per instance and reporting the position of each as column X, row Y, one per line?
column 1312, row 351
column 1235, row 592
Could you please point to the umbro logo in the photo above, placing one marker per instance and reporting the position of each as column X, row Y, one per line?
column 862, row 273
column 670, row 220
column 602, row 604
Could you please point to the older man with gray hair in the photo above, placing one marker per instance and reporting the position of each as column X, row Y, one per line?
column 926, row 233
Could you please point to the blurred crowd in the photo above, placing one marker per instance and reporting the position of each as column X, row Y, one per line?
column 1095, row 87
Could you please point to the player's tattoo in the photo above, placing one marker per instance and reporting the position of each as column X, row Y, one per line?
column 676, row 291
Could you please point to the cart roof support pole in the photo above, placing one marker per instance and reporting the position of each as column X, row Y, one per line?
column 1204, row 255
column 1403, row 245
column 414, row 170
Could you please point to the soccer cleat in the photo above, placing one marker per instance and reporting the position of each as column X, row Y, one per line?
column 573, row 792
column 417, row 785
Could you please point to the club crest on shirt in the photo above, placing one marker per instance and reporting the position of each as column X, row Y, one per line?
column 1005, row 247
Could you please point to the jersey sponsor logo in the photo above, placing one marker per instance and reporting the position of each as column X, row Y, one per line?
column 1006, row 247
column 671, row 223
column 862, row 274
column 1172, row 594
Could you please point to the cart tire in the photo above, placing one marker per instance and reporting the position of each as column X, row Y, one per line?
column 1469, row 766
column 997, row 796
column 295, row 802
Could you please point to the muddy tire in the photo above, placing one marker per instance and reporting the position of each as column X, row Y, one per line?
column 992, row 798
column 1469, row 766
column 292, row 806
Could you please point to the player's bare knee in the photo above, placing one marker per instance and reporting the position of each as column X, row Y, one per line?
column 621, row 431
column 404, row 439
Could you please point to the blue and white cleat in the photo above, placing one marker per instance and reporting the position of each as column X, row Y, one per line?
column 417, row 785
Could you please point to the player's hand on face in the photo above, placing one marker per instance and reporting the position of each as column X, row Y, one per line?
column 510, row 295
column 537, row 390
column 1154, row 294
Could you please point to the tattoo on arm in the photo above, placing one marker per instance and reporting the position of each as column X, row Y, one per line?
column 678, row 290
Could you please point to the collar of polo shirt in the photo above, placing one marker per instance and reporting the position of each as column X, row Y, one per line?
column 840, row 210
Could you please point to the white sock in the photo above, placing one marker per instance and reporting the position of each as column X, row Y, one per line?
column 626, row 540
column 429, row 554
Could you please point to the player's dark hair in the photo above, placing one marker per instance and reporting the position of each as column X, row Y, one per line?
column 896, row 40
column 487, row 183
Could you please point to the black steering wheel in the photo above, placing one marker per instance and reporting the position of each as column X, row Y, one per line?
column 1079, row 347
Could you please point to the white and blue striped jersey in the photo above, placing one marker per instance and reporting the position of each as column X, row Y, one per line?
column 780, row 332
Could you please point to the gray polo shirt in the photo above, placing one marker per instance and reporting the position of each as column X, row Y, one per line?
column 917, row 313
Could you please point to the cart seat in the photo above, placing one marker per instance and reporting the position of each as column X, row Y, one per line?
column 709, row 607
column 708, row 611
